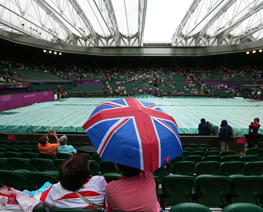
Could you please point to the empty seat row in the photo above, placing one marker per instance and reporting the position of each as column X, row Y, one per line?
column 43, row 164
column 211, row 190
column 215, row 168
column 199, row 158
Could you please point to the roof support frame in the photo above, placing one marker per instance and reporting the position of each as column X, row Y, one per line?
column 113, row 29
column 83, row 16
column 47, row 8
column 141, row 20
column 53, row 34
column 188, row 14
column 224, row 8
column 223, row 34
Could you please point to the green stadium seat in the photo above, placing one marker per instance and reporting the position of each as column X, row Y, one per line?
column 245, row 189
column 35, row 149
column 19, row 163
column 186, row 153
column 194, row 158
column 25, row 149
column 2, row 149
column 111, row 176
column 201, row 148
column 198, row 152
column 63, row 156
column 213, row 149
column 2, row 154
column 94, row 167
column 88, row 156
column 15, row 143
column 176, row 189
column 29, row 155
column 96, row 157
column 34, row 143
column 183, row 145
column 6, row 142
column 184, row 168
column 253, row 168
column 249, row 158
column 242, row 207
column 191, row 149
column 42, row 164
column 37, row 179
column 16, row 179
column 39, row 209
column 228, row 152
column 22, row 143
column 252, row 151
column 160, row 173
column 211, row 158
column 12, row 149
column 189, row 207
column 85, row 144
column 207, row 167
column 57, row 163
column 231, row 167
column 211, row 190
column 3, row 164
column 12, row 154
column 46, row 156
column 193, row 145
column 230, row 158
column 107, row 167
column 203, row 145
column 213, row 152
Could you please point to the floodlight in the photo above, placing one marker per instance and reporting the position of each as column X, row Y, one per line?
column 60, row 53
column 254, row 51
column 44, row 50
column 55, row 52
column 260, row 50
column 50, row 52
column 247, row 52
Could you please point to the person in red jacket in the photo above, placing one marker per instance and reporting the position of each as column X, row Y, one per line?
column 253, row 133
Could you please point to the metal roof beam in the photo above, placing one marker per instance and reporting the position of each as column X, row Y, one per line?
column 40, row 27
column 83, row 16
column 46, row 8
column 113, row 28
column 224, row 8
column 141, row 19
column 223, row 34
column 178, row 32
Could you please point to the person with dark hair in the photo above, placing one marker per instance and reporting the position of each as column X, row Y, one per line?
column 64, row 148
column 253, row 133
column 224, row 135
column 45, row 147
column 134, row 191
column 75, row 188
column 203, row 127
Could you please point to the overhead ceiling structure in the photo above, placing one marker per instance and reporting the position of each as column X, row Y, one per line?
column 121, row 23
column 220, row 23
column 90, row 23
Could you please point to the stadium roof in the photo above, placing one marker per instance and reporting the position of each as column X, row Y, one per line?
column 133, row 23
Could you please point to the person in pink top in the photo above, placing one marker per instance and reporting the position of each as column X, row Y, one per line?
column 134, row 191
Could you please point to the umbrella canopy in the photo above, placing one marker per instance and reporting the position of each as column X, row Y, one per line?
column 133, row 133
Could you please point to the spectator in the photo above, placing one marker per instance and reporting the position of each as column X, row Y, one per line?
column 133, row 185
column 224, row 135
column 64, row 148
column 45, row 147
column 253, row 133
column 203, row 127
column 75, row 183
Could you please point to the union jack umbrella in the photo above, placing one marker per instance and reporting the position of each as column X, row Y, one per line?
column 133, row 133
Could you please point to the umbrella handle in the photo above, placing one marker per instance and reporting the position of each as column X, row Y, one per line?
column 165, row 163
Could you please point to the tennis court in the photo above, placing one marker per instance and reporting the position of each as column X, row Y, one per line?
column 68, row 115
